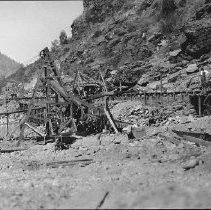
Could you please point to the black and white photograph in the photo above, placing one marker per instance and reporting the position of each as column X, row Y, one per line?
column 105, row 104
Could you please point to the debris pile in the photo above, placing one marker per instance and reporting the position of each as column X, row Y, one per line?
column 137, row 113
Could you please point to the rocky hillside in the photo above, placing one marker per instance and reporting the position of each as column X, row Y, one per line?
column 7, row 65
column 137, row 41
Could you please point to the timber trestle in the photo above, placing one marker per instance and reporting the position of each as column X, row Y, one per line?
column 60, row 110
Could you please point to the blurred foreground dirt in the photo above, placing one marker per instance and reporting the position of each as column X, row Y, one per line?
column 106, row 170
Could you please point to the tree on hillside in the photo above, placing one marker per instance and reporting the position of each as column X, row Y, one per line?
column 54, row 45
column 63, row 37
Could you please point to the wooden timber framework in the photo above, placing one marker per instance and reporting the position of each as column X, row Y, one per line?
column 59, row 109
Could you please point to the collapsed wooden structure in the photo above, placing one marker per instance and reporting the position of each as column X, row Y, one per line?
column 62, row 110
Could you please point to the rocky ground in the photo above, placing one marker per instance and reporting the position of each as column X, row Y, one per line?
column 155, row 170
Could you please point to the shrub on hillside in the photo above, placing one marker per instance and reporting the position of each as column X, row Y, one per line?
column 63, row 38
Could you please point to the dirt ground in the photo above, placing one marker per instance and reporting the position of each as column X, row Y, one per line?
column 108, row 171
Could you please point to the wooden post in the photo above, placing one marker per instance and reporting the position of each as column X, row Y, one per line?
column 7, row 124
column 47, row 93
column 7, row 116
column 71, row 116
column 200, row 105
column 109, row 116
column 104, row 84
column 21, row 136
column 145, row 99
column 156, row 99
column 120, row 86
column 161, row 89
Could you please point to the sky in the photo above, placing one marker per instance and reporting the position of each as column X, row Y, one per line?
column 28, row 27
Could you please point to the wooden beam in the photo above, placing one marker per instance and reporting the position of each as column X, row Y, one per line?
column 109, row 115
column 35, row 130
column 64, row 125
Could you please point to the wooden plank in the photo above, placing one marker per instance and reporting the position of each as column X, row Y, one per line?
column 197, row 140
column 35, row 130
column 203, row 139
column 70, row 97
column 64, row 125
column 20, row 111
column 11, row 150
column 36, row 118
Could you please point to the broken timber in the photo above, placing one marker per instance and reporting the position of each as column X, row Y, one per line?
column 56, row 98
column 35, row 130
column 11, row 150
column 203, row 139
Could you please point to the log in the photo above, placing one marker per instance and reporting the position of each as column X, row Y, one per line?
column 197, row 140
column 11, row 150
column 203, row 139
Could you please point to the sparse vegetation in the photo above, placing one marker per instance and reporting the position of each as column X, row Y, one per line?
column 63, row 38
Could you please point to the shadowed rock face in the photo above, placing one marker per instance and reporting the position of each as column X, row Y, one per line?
column 124, row 32
column 198, row 41
column 97, row 11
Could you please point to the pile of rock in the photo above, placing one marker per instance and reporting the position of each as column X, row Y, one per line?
column 135, row 113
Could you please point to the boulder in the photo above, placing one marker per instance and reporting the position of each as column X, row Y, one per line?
column 138, row 132
column 153, row 85
column 192, row 68
column 175, row 52
column 192, row 163
column 144, row 80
